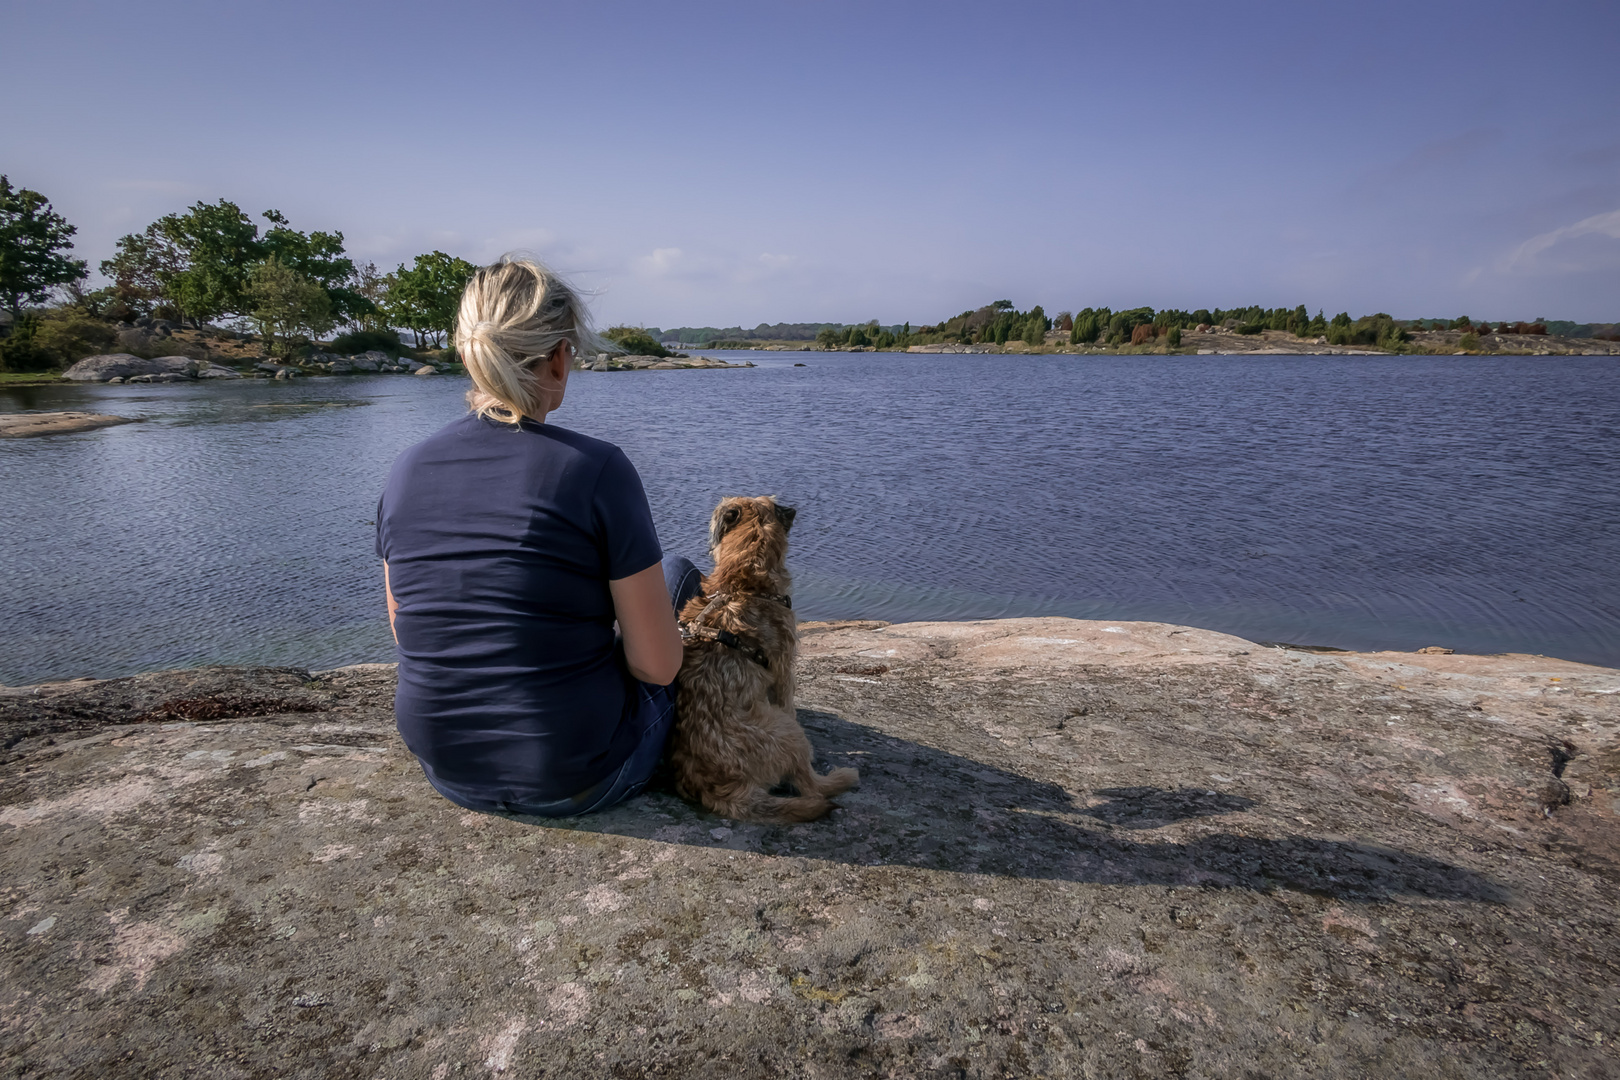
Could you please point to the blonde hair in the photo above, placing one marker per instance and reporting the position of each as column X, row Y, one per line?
column 513, row 316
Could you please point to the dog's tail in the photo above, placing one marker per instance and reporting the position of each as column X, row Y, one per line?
column 758, row 805
column 834, row 783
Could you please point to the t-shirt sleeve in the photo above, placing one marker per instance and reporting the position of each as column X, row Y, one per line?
column 624, row 520
column 379, row 523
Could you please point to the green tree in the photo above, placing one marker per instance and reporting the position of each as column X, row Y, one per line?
column 373, row 286
column 286, row 304
column 319, row 257
column 1087, row 325
column 1035, row 324
column 33, row 238
column 144, row 270
column 222, row 248
column 424, row 298
column 1174, row 337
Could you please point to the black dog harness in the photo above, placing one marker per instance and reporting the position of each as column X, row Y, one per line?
column 750, row 649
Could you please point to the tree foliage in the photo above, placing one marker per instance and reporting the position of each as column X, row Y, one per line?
column 286, row 305
column 635, row 341
column 200, row 264
column 33, row 238
column 423, row 299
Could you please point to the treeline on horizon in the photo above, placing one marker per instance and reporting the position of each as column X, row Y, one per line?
column 999, row 322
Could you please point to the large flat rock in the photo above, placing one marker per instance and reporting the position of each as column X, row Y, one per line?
column 33, row 425
column 1079, row 849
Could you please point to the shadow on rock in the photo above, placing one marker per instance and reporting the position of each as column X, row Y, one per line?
column 1149, row 808
column 932, row 810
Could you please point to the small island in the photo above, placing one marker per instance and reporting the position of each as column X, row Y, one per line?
column 1000, row 327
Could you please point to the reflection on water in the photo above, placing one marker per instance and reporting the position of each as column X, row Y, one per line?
column 1354, row 502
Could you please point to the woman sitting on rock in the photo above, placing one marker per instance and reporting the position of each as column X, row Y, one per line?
column 511, row 546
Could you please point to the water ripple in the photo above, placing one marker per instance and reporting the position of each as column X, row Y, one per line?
column 1355, row 502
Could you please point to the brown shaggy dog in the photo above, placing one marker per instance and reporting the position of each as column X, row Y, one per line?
column 736, row 734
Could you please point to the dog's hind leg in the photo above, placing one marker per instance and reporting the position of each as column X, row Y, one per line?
column 799, row 756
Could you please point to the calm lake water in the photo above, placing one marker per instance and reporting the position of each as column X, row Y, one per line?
column 1346, row 501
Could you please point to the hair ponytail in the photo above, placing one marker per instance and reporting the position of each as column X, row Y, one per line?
column 513, row 316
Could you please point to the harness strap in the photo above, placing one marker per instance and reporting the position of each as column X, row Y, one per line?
column 728, row 639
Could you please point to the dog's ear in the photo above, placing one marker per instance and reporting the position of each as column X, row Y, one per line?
column 786, row 514
column 721, row 523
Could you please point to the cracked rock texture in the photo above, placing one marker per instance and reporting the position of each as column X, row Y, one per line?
column 1080, row 849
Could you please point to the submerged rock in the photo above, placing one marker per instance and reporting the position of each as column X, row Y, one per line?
column 32, row 425
column 1079, row 849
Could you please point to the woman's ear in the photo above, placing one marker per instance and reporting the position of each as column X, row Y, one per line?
column 562, row 359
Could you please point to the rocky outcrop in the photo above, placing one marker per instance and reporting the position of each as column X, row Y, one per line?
column 1079, row 849
column 31, row 425
column 606, row 362
column 127, row 367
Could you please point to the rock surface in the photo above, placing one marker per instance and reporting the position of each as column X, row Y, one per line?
column 124, row 366
column 30, row 425
column 604, row 362
column 1079, row 849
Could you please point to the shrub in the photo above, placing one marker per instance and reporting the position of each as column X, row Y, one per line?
column 18, row 351
column 1143, row 334
column 1251, row 328
column 1470, row 342
column 635, row 341
column 69, row 336
column 1175, row 337
column 359, row 341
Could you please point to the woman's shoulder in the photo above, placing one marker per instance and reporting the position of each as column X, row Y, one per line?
column 596, row 449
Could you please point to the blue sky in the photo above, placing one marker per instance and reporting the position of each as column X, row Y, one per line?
column 736, row 163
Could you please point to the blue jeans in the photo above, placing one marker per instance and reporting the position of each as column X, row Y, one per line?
column 653, row 715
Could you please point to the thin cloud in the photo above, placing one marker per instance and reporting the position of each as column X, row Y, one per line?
column 1528, row 255
column 661, row 263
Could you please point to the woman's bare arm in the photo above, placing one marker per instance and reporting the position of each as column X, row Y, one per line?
column 393, row 605
column 652, row 641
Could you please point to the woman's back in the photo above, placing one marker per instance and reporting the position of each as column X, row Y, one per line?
column 500, row 541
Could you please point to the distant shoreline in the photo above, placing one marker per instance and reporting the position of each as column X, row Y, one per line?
column 1222, row 342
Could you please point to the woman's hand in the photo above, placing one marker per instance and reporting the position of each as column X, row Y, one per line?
column 652, row 641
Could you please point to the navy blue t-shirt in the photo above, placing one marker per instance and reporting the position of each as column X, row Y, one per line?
column 500, row 544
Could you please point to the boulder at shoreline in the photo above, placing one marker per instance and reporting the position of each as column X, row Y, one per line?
column 1078, row 849
column 125, row 366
